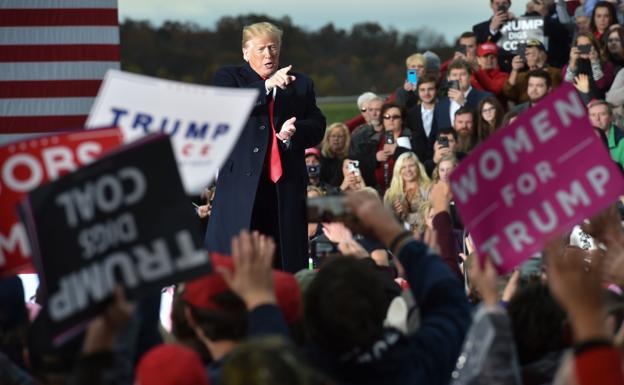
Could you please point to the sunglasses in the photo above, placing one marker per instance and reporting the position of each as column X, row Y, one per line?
column 392, row 117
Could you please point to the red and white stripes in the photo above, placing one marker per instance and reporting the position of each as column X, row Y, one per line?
column 53, row 57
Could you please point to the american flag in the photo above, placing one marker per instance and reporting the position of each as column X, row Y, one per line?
column 53, row 57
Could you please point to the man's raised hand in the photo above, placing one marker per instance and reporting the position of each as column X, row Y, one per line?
column 288, row 129
column 280, row 79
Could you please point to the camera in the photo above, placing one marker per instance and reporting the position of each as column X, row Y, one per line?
column 453, row 84
column 389, row 137
column 353, row 167
column 314, row 171
column 584, row 48
column 327, row 209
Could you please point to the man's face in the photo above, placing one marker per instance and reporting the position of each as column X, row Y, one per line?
column 463, row 124
column 373, row 110
column 495, row 4
column 311, row 160
column 462, row 75
column 262, row 52
column 599, row 117
column 487, row 62
column 536, row 89
column 427, row 92
column 471, row 46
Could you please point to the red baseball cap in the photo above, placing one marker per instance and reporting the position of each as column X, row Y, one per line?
column 171, row 364
column 313, row 151
column 200, row 292
column 487, row 48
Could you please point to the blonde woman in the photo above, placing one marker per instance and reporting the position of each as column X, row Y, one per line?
column 334, row 149
column 443, row 170
column 409, row 187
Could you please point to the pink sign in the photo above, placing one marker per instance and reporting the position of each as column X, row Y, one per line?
column 535, row 178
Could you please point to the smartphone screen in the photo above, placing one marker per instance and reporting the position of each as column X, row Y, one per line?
column 412, row 77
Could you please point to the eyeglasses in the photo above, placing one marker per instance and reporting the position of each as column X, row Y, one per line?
column 392, row 117
column 488, row 110
column 614, row 40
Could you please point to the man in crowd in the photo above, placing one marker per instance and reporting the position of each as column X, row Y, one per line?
column 365, row 139
column 463, row 124
column 421, row 119
column 444, row 145
column 515, row 89
column 601, row 116
column 466, row 50
column 490, row 30
column 489, row 77
column 460, row 93
column 267, row 163
column 369, row 114
column 538, row 86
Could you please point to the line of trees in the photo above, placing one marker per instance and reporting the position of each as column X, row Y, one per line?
column 341, row 62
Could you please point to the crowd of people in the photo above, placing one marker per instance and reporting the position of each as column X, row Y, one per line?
column 394, row 291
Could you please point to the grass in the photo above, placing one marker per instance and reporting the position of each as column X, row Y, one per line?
column 338, row 112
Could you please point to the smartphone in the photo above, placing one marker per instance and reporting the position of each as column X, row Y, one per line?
column 453, row 84
column 521, row 51
column 501, row 8
column 327, row 209
column 389, row 137
column 443, row 141
column 584, row 48
column 354, row 167
column 461, row 48
column 412, row 77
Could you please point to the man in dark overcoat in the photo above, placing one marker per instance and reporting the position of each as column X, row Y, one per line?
column 262, row 185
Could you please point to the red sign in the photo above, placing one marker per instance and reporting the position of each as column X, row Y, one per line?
column 27, row 165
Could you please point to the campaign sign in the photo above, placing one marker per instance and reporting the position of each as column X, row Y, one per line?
column 204, row 122
column 517, row 32
column 123, row 220
column 30, row 163
column 533, row 179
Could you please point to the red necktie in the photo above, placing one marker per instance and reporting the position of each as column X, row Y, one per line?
column 275, row 164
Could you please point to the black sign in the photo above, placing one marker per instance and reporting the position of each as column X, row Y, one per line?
column 515, row 33
column 124, row 219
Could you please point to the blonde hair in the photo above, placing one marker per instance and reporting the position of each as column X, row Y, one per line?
column 423, row 213
column 370, row 191
column 414, row 59
column 261, row 29
column 325, row 148
column 396, row 189
column 317, row 190
column 435, row 175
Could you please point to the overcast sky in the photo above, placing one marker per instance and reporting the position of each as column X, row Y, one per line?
column 449, row 17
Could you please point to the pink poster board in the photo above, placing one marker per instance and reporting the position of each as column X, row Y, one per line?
column 533, row 179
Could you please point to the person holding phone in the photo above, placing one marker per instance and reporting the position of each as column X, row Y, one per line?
column 489, row 77
column 535, row 57
column 490, row 30
column 420, row 119
column 586, row 58
column 460, row 93
column 406, row 96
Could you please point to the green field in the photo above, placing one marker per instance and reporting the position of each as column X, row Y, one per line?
column 338, row 112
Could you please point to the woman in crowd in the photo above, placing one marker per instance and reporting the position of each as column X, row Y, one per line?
column 603, row 16
column 444, row 168
column 586, row 58
column 490, row 117
column 614, row 47
column 394, row 141
column 334, row 149
column 351, row 176
column 409, row 188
